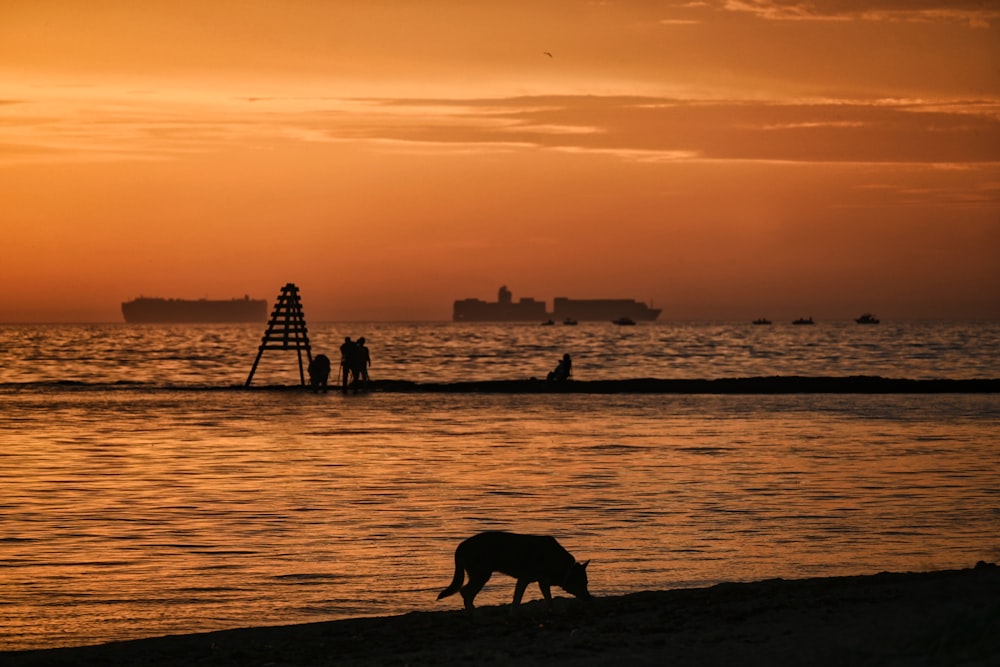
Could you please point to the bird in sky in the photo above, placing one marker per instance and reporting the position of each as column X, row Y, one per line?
column 547, row 53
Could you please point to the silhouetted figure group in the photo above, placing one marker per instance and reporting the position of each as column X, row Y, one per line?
column 563, row 370
column 319, row 372
column 354, row 362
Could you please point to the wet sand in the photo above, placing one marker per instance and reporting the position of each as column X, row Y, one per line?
column 934, row 618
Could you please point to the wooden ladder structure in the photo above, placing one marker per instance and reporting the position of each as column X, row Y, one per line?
column 286, row 330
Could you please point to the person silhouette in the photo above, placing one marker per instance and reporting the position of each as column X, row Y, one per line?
column 364, row 360
column 319, row 372
column 564, row 369
column 348, row 362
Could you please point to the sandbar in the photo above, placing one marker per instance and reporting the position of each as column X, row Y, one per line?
column 749, row 385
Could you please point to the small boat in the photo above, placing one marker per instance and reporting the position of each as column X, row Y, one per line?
column 570, row 322
column 762, row 320
column 547, row 323
column 804, row 320
column 624, row 322
column 867, row 318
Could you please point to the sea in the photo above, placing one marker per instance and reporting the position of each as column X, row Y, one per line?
column 145, row 490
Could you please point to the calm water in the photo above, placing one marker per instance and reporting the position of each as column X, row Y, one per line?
column 147, row 498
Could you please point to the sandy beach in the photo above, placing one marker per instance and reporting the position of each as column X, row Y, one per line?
column 933, row 618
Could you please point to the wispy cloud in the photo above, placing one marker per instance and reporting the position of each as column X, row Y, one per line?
column 939, row 190
column 126, row 125
column 813, row 125
column 975, row 13
column 636, row 154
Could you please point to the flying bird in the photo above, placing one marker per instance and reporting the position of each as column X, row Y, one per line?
column 547, row 53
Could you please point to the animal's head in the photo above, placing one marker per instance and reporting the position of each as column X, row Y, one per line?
column 576, row 581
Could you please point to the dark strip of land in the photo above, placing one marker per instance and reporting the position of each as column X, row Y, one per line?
column 942, row 618
column 752, row 385
column 776, row 384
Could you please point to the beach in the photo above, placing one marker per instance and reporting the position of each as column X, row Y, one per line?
column 948, row 617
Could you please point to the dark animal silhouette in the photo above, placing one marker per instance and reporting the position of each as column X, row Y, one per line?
column 527, row 558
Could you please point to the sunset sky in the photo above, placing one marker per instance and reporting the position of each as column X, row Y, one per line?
column 724, row 159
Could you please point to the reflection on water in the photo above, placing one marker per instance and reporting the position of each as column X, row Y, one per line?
column 131, row 513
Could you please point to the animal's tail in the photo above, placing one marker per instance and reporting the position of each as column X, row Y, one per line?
column 456, row 581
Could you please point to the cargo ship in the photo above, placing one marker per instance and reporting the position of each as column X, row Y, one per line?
column 184, row 311
column 527, row 309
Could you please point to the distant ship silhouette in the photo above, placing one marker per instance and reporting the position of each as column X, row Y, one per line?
column 528, row 309
column 184, row 311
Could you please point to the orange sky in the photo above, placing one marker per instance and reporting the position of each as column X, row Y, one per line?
column 724, row 159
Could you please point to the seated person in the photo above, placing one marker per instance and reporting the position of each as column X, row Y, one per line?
column 564, row 370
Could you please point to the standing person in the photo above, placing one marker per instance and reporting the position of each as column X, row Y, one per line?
column 319, row 372
column 364, row 359
column 348, row 361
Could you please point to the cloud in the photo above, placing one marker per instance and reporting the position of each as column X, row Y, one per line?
column 814, row 125
column 880, row 131
column 976, row 13
column 170, row 126
column 645, row 129
column 636, row 154
column 934, row 188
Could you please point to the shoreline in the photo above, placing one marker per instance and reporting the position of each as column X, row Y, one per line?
column 945, row 617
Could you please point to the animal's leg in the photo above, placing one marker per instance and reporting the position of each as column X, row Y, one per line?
column 547, row 594
column 519, row 588
column 476, row 582
column 522, row 585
